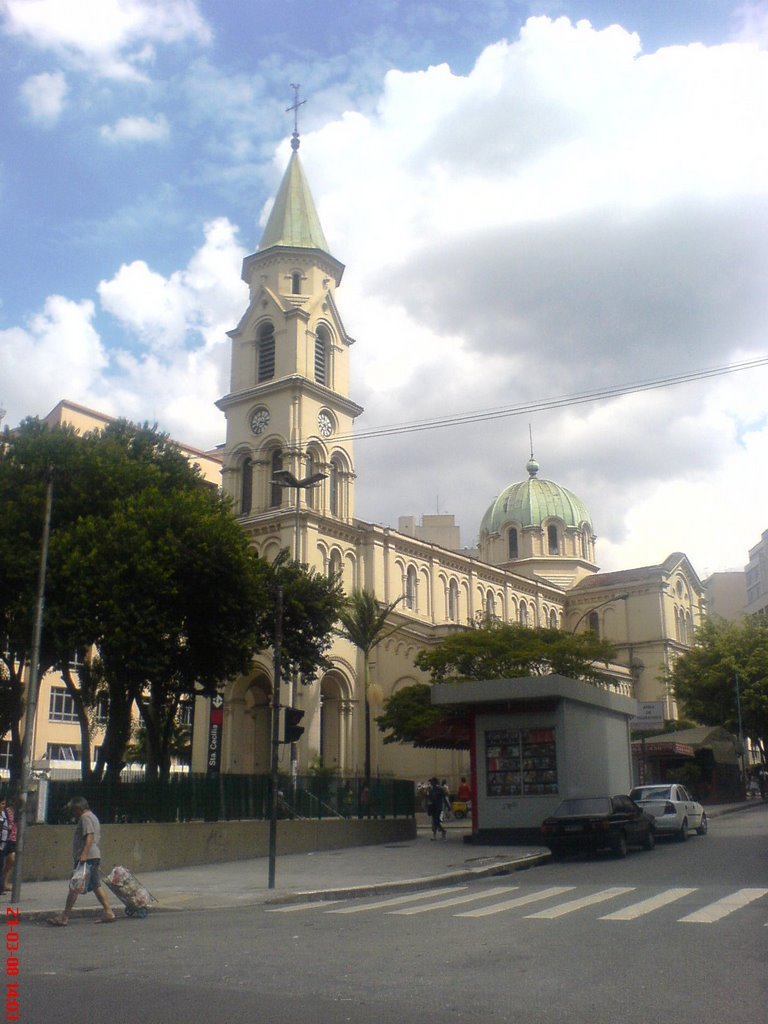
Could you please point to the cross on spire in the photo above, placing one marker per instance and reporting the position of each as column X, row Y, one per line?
column 295, row 108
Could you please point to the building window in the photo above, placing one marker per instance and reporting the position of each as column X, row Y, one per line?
column 321, row 356
column 63, row 752
column 453, row 601
column 335, row 488
column 490, row 605
column 61, row 707
column 6, row 755
column 246, row 486
column 296, row 283
column 275, row 490
column 593, row 623
column 512, row 543
column 334, row 565
column 553, row 540
column 523, row 613
column 266, row 352
column 553, row 619
column 410, row 588
column 310, row 468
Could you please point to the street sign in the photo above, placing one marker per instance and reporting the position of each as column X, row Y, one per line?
column 215, row 730
column 650, row 716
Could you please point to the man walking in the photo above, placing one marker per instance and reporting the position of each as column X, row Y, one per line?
column 85, row 850
column 435, row 802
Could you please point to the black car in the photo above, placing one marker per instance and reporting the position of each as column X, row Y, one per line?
column 587, row 824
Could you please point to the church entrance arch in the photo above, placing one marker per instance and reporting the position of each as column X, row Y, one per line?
column 335, row 718
column 250, row 726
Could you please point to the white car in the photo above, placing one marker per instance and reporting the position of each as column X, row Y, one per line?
column 673, row 809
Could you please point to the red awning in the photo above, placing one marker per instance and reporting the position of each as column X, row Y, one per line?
column 663, row 749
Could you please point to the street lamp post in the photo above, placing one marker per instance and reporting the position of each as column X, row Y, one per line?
column 285, row 478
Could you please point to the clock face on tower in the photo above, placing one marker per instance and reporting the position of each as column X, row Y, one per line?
column 325, row 424
column 259, row 420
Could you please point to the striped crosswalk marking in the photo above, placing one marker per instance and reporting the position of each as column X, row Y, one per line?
column 291, row 907
column 647, row 906
column 586, row 901
column 722, row 908
column 393, row 901
column 519, row 901
column 455, row 900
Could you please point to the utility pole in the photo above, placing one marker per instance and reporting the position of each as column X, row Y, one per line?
column 27, row 753
column 277, row 669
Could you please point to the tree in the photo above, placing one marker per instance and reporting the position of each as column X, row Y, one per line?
column 704, row 678
column 364, row 624
column 507, row 651
column 408, row 713
column 491, row 651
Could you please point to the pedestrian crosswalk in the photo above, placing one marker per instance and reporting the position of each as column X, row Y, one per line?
column 547, row 904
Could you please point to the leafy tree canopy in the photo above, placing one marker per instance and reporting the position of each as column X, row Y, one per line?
column 407, row 713
column 507, row 651
column 704, row 678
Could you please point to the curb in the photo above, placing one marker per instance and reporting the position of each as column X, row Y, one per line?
column 410, row 884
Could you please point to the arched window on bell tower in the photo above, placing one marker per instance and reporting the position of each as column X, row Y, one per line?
column 246, row 486
column 553, row 540
column 275, row 490
column 322, row 352
column 266, row 352
column 296, row 283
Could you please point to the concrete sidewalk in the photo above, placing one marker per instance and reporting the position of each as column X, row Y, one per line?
column 394, row 867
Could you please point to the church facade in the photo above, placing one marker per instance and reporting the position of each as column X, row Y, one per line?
column 289, row 467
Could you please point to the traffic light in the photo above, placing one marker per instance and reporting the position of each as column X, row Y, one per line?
column 292, row 730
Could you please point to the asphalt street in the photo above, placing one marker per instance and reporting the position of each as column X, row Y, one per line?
column 681, row 931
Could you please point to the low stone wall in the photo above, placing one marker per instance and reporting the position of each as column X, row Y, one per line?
column 154, row 847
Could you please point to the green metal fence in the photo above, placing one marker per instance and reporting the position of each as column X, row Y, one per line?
column 226, row 797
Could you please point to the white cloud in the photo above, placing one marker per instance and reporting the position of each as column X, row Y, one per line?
column 58, row 354
column 137, row 129
column 99, row 34
column 44, row 95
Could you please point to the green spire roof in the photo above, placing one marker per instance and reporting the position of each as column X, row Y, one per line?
column 293, row 220
column 530, row 502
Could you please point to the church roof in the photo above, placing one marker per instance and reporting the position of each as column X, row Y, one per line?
column 294, row 221
column 531, row 502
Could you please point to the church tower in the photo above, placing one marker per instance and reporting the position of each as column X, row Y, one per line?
column 288, row 407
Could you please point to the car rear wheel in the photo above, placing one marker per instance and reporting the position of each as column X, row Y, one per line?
column 682, row 835
column 620, row 846
column 650, row 840
column 703, row 826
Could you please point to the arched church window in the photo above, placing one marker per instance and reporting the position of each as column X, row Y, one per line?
column 523, row 613
column 334, row 564
column 453, row 601
column 512, row 543
column 310, row 464
column 322, row 349
column 553, row 619
column 296, row 283
column 553, row 540
column 410, row 588
column 266, row 352
column 594, row 623
column 334, row 485
column 275, row 491
column 490, row 605
column 246, row 486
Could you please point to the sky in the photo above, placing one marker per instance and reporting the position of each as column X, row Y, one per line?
column 533, row 200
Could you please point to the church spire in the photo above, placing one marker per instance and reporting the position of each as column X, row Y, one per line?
column 293, row 221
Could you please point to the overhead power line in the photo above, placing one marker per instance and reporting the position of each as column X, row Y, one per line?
column 561, row 402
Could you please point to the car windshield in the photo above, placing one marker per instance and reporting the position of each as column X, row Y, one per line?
column 650, row 793
column 588, row 805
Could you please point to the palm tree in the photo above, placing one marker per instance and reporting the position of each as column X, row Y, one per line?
column 364, row 624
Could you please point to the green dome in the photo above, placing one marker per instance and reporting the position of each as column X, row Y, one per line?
column 531, row 502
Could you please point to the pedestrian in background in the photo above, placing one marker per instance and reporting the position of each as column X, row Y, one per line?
column 9, row 849
column 85, row 850
column 435, row 802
